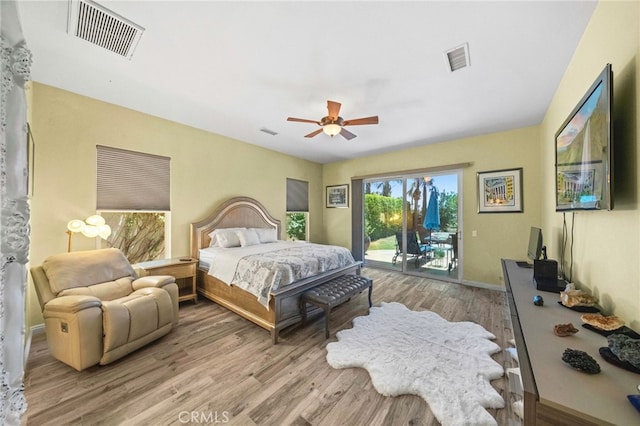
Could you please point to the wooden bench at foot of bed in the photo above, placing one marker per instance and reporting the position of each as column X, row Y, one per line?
column 333, row 293
column 284, row 307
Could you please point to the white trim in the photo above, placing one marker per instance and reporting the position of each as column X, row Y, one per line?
column 484, row 285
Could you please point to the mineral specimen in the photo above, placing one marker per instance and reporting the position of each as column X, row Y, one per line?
column 625, row 348
column 564, row 330
column 538, row 300
column 601, row 322
column 572, row 298
column 581, row 361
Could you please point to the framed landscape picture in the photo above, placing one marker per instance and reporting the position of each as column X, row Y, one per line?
column 500, row 191
column 338, row 196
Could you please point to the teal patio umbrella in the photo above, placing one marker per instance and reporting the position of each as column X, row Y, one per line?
column 432, row 217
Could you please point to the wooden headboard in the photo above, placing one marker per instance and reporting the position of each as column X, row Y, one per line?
column 236, row 212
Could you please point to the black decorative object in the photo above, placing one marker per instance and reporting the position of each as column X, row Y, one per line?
column 611, row 358
column 538, row 300
column 581, row 361
column 622, row 330
column 585, row 309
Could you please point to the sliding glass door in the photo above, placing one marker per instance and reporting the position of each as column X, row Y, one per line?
column 411, row 223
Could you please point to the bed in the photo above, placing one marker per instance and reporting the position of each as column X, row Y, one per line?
column 282, row 307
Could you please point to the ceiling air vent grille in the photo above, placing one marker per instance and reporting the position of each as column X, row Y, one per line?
column 458, row 57
column 102, row 27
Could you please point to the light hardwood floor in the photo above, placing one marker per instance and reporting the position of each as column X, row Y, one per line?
column 217, row 368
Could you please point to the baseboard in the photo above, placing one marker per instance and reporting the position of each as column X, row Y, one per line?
column 484, row 285
column 37, row 329
column 34, row 330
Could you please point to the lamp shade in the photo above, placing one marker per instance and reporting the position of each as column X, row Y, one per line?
column 104, row 231
column 331, row 129
column 95, row 220
column 90, row 231
column 75, row 225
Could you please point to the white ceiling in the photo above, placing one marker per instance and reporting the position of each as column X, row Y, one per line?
column 233, row 68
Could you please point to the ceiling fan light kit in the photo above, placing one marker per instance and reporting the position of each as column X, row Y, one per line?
column 333, row 124
column 331, row 129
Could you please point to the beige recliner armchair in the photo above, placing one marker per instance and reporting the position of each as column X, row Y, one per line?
column 95, row 308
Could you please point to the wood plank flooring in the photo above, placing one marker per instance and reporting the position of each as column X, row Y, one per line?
column 217, row 368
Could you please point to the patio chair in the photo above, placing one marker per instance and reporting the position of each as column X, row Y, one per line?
column 417, row 252
column 454, row 251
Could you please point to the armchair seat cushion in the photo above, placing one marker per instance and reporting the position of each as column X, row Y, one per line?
column 134, row 316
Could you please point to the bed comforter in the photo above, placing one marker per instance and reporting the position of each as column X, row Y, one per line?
column 262, row 270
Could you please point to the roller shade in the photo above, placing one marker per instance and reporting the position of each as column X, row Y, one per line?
column 129, row 180
column 297, row 195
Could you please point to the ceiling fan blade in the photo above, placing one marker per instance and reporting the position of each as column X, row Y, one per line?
column 347, row 134
column 360, row 121
column 334, row 109
column 312, row 134
column 303, row 120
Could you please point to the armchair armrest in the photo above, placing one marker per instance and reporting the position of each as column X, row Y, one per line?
column 152, row 281
column 71, row 304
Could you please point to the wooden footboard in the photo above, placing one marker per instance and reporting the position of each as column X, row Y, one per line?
column 284, row 305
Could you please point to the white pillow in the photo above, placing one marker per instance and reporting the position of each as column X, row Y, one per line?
column 214, row 235
column 267, row 235
column 228, row 239
column 248, row 237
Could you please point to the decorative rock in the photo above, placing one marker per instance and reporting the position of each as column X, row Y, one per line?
column 564, row 330
column 538, row 300
column 581, row 361
column 570, row 298
column 625, row 348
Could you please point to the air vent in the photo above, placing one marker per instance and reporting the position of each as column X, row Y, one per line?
column 269, row 132
column 458, row 57
column 102, row 27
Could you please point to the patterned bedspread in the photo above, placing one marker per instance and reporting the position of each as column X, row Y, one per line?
column 262, row 273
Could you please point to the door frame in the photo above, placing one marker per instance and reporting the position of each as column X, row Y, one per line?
column 358, row 217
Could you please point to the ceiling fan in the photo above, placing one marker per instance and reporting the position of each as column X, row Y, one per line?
column 333, row 124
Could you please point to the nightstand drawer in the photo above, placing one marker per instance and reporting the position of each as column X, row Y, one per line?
column 186, row 270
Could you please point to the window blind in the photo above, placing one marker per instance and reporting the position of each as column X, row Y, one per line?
column 297, row 195
column 129, row 180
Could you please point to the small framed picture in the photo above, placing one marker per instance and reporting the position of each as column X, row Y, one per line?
column 338, row 196
column 500, row 191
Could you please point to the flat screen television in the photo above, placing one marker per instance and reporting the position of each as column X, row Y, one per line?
column 584, row 168
column 535, row 249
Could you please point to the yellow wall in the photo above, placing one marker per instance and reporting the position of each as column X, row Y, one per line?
column 606, row 244
column 206, row 169
column 503, row 235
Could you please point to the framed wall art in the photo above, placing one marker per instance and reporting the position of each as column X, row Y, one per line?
column 500, row 191
column 338, row 195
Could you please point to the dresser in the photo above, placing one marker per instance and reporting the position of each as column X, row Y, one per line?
column 555, row 393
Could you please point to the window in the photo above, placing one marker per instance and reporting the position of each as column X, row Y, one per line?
column 297, row 209
column 133, row 195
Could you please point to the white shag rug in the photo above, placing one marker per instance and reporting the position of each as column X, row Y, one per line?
column 448, row 364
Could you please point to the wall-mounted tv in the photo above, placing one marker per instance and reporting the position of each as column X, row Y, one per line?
column 584, row 168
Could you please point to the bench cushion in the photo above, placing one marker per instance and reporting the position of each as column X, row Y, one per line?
column 338, row 290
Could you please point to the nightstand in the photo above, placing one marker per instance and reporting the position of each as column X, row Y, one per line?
column 184, row 272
